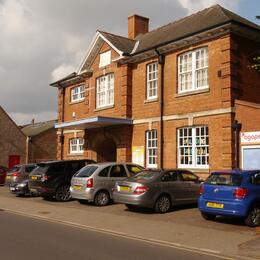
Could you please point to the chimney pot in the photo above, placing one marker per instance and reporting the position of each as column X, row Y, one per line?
column 137, row 25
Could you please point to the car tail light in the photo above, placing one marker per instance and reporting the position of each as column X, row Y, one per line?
column 45, row 177
column 90, row 183
column 15, row 174
column 240, row 193
column 140, row 190
column 201, row 189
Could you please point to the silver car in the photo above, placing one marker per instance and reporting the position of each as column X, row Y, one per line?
column 94, row 182
column 158, row 189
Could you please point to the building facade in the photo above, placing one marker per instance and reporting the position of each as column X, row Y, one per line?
column 41, row 142
column 12, row 141
column 175, row 96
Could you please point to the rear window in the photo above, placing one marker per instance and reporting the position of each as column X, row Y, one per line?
column 86, row 171
column 224, row 179
column 29, row 168
column 14, row 169
column 133, row 168
column 146, row 175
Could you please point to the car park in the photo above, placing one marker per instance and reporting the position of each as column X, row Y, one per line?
column 52, row 179
column 158, row 189
column 233, row 193
column 3, row 171
column 96, row 181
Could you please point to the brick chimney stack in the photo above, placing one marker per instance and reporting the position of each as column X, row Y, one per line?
column 137, row 25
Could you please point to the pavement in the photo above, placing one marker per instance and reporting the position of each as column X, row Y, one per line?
column 183, row 227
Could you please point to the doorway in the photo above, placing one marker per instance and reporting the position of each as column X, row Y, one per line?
column 106, row 151
column 14, row 160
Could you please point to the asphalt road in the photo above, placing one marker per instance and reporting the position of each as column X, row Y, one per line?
column 28, row 238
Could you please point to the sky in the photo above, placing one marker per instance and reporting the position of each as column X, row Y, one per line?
column 44, row 40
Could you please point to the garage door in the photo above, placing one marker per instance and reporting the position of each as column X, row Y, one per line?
column 251, row 158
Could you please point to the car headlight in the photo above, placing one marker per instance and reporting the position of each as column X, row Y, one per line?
column 21, row 185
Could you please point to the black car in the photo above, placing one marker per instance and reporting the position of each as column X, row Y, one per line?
column 52, row 179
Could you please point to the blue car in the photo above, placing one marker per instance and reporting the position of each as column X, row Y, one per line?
column 232, row 193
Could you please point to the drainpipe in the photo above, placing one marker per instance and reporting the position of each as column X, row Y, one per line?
column 28, row 140
column 62, row 120
column 161, row 61
column 237, row 128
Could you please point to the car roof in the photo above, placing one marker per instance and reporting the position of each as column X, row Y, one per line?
column 236, row 171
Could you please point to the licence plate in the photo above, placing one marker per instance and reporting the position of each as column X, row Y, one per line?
column 34, row 178
column 215, row 205
column 125, row 188
column 12, row 188
column 8, row 177
column 76, row 187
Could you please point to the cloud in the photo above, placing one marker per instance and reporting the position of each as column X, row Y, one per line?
column 195, row 5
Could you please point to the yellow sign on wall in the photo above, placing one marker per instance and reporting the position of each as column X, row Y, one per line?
column 138, row 155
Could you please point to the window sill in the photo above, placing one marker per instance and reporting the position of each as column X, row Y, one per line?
column 103, row 108
column 151, row 100
column 205, row 169
column 190, row 93
column 76, row 102
column 76, row 154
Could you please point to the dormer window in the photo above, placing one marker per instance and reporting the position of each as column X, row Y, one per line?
column 104, row 59
column 77, row 93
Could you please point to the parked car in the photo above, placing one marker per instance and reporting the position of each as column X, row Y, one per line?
column 158, row 189
column 3, row 171
column 95, row 181
column 52, row 179
column 232, row 193
column 18, row 173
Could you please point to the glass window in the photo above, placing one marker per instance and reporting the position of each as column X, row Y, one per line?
column 133, row 168
column 86, row 171
column 152, row 71
column 77, row 93
column 193, row 147
column 151, row 149
column 118, row 171
column 188, row 176
column 56, row 168
column 228, row 179
column 77, row 145
column 256, row 179
column 147, row 175
column 193, row 70
column 170, row 176
column 105, row 91
column 104, row 172
column 29, row 168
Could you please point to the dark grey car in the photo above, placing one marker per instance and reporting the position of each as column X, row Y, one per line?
column 158, row 189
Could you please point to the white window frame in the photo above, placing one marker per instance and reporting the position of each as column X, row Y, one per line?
column 152, row 80
column 104, row 59
column 193, row 70
column 76, row 145
column 77, row 93
column 151, row 148
column 105, row 93
column 193, row 148
column 243, row 148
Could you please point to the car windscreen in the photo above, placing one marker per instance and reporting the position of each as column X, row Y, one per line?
column 227, row 179
column 40, row 169
column 146, row 175
column 87, row 171
column 14, row 169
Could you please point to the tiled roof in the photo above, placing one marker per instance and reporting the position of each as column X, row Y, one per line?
column 38, row 128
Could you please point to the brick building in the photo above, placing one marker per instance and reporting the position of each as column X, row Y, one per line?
column 177, row 96
column 12, row 141
column 41, row 140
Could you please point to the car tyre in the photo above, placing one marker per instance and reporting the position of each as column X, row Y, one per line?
column 253, row 217
column 162, row 204
column 208, row 216
column 63, row 193
column 102, row 198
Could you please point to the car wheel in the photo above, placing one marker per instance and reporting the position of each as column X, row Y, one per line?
column 163, row 204
column 102, row 198
column 208, row 216
column 63, row 193
column 253, row 217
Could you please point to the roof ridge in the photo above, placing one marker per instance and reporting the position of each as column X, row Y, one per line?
column 181, row 19
column 117, row 35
